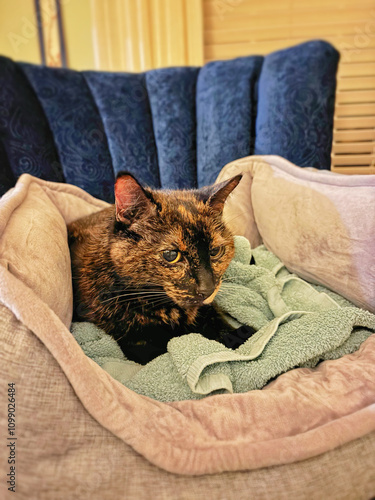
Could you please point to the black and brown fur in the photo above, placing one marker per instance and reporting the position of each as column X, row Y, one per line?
column 123, row 283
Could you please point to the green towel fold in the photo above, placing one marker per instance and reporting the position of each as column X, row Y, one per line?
column 104, row 350
column 298, row 325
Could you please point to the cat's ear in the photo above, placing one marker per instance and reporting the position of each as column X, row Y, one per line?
column 130, row 198
column 218, row 193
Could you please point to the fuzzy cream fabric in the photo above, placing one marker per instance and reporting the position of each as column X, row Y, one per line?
column 300, row 415
column 320, row 224
column 64, row 453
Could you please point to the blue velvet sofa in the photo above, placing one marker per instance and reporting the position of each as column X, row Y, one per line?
column 173, row 127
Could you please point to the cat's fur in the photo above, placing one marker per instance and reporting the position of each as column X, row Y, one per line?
column 123, row 283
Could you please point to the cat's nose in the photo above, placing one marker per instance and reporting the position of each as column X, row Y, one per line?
column 206, row 284
column 206, row 292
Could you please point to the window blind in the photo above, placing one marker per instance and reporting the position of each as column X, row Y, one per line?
column 234, row 28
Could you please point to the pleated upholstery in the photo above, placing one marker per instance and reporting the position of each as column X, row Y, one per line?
column 123, row 103
column 7, row 179
column 26, row 139
column 172, row 127
column 172, row 97
column 296, row 104
column 77, row 127
column 226, row 113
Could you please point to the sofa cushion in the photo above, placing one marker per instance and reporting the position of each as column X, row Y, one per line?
column 33, row 243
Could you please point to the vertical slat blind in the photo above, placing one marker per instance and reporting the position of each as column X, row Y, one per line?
column 235, row 28
column 139, row 35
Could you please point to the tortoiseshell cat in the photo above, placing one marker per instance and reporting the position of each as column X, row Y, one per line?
column 146, row 269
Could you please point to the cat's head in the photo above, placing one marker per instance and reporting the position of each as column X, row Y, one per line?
column 174, row 240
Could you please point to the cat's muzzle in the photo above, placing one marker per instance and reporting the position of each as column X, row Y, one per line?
column 210, row 299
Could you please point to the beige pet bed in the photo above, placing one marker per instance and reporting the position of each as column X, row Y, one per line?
column 81, row 434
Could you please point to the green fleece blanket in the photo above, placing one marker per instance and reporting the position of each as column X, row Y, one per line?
column 298, row 325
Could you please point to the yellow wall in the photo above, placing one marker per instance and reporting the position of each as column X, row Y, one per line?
column 77, row 21
column 18, row 32
column 117, row 35
column 19, row 36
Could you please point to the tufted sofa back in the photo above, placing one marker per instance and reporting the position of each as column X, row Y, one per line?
column 172, row 127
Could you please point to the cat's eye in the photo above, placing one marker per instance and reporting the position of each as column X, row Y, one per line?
column 216, row 252
column 172, row 256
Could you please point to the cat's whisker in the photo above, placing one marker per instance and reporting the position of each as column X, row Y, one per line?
column 132, row 294
column 160, row 302
column 147, row 287
column 139, row 295
column 153, row 304
column 227, row 221
column 125, row 300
